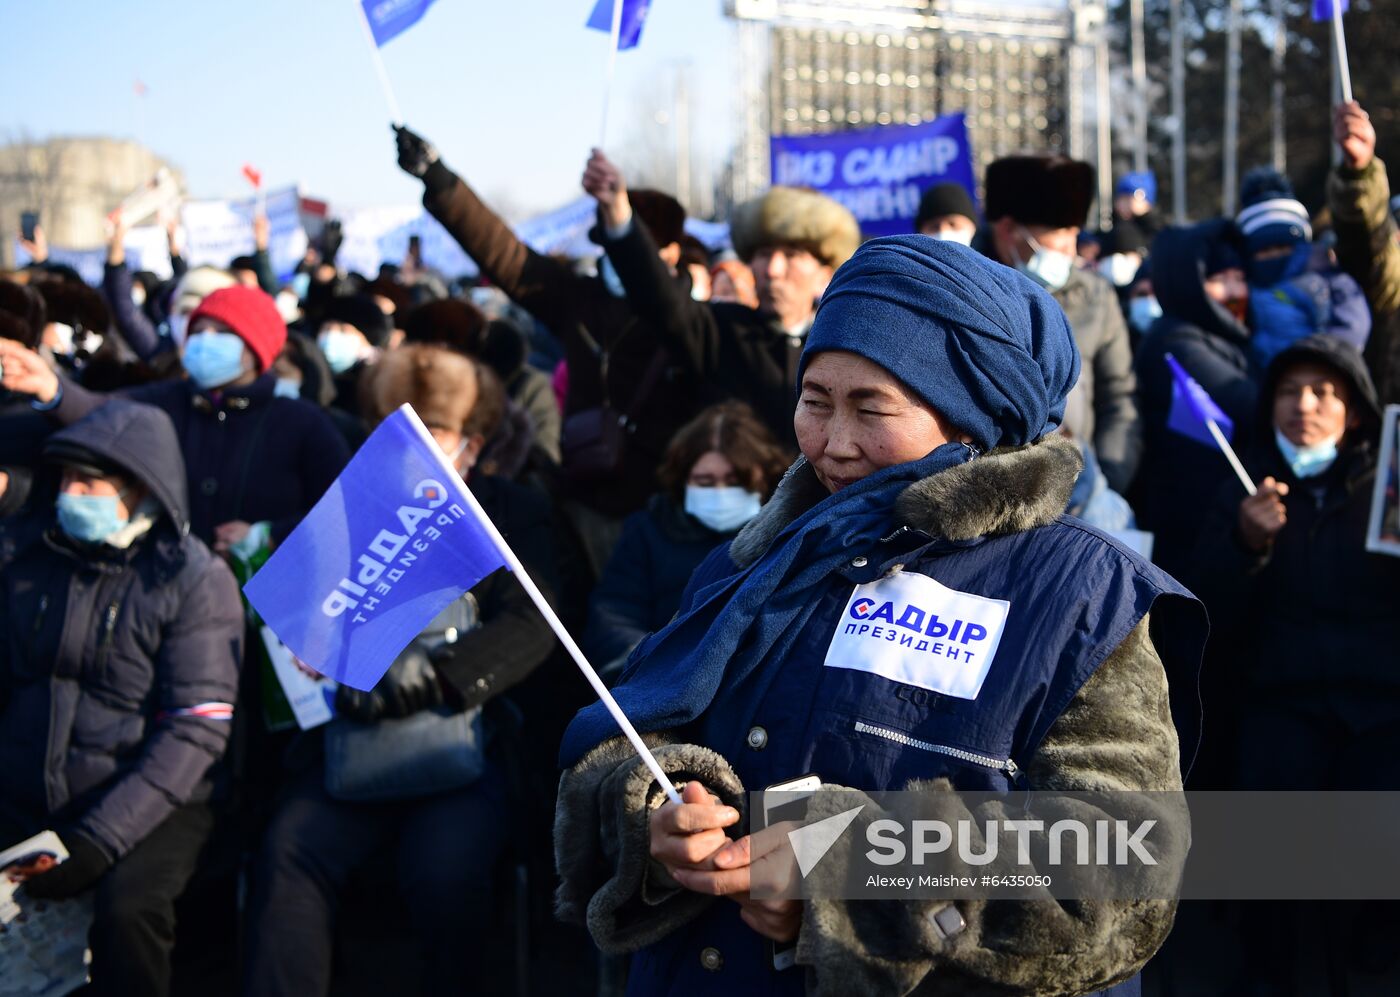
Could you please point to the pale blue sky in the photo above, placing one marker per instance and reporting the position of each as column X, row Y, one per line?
column 510, row 92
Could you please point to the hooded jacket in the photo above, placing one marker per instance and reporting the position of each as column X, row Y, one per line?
column 118, row 668
column 1320, row 609
column 1178, row 473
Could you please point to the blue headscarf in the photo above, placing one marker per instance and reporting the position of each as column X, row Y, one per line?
column 980, row 342
column 961, row 332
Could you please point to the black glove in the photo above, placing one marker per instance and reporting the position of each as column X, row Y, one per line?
column 411, row 684
column 84, row 866
column 416, row 153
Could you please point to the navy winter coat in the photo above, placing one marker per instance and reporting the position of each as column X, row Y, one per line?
column 114, row 664
column 641, row 587
column 248, row 454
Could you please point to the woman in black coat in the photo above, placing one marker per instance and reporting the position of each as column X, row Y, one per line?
column 1199, row 282
column 718, row 471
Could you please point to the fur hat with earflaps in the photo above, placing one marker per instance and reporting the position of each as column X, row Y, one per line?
column 1054, row 191
column 795, row 216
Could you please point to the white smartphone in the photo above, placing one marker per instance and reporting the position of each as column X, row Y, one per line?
column 789, row 802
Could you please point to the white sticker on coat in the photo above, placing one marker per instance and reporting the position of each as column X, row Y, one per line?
column 909, row 628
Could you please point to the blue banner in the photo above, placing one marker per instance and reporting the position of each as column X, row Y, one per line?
column 390, row 18
column 634, row 16
column 879, row 173
column 390, row 544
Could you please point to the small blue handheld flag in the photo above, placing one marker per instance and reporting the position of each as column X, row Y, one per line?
column 1192, row 408
column 1322, row 9
column 391, row 543
column 634, row 15
column 389, row 18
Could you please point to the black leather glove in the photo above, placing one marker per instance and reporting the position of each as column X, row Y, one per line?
column 416, row 153
column 411, row 684
column 84, row 866
column 366, row 707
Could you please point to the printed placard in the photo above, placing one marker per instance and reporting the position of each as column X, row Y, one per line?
column 909, row 628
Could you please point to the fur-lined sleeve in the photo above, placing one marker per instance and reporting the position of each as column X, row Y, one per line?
column 608, row 880
column 1116, row 734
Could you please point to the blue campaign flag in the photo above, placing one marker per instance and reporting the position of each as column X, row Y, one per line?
column 1192, row 408
column 634, row 15
column 1322, row 9
column 390, row 18
column 390, row 544
column 879, row 173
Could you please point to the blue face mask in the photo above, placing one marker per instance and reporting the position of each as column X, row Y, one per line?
column 723, row 510
column 213, row 359
column 1306, row 462
column 1267, row 273
column 89, row 518
column 342, row 349
column 1143, row 311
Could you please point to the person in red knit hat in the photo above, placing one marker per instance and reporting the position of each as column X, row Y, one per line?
column 256, row 463
column 234, row 335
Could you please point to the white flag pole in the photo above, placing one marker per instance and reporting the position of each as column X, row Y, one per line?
column 395, row 116
column 615, row 35
column 1229, row 453
column 546, row 610
column 1340, row 38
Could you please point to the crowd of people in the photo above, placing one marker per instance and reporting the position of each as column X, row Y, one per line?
column 624, row 420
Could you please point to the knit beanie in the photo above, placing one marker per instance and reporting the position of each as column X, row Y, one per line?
column 945, row 199
column 252, row 314
column 979, row 342
column 1271, row 215
column 363, row 313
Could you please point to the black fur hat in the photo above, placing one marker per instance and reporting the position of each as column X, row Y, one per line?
column 1051, row 190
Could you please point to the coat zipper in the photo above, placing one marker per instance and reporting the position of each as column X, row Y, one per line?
column 104, row 647
column 1008, row 766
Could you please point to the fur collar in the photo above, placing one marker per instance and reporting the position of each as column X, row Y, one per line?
column 1008, row 490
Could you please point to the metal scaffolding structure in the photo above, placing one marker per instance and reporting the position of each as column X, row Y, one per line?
column 1020, row 73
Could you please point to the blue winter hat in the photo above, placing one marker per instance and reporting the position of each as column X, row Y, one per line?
column 985, row 346
column 1133, row 183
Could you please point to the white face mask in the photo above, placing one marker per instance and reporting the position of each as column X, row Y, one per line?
column 1309, row 461
column 63, row 333
column 1047, row 267
column 723, row 510
column 1143, row 311
column 1120, row 268
column 961, row 236
column 286, row 388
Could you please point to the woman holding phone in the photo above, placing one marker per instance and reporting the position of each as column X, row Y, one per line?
column 929, row 494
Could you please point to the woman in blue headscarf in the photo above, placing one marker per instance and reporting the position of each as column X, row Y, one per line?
column 911, row 610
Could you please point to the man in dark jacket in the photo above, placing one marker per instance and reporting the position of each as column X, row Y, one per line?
column 1291, row 562
column 615, row 359
column 1036, row 206
column 1200, row 285
column 122, row 636
column 793, row 239
column 1316, row 688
